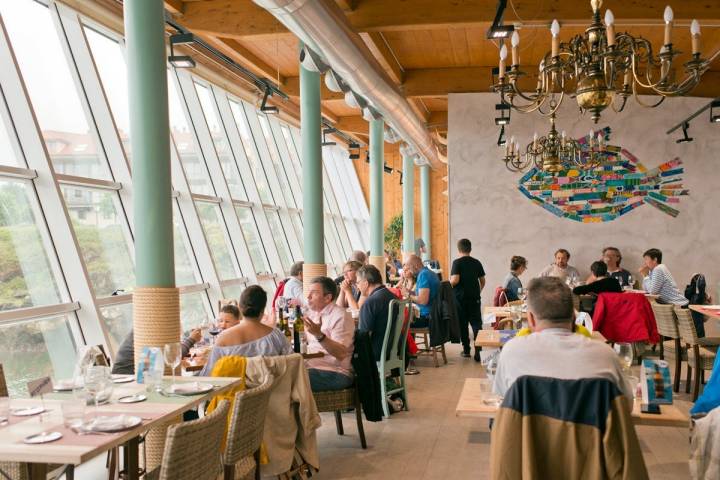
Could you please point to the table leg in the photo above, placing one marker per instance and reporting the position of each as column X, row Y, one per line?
column 38, row 471
column 130, row 457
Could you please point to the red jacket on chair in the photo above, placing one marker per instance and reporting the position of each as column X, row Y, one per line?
column 625, row 317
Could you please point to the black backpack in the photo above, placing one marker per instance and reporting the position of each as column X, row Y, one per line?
column 695, row 290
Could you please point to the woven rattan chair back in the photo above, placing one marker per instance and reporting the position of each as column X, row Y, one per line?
column 3, row 383
column 666, row 320
column 686, row 326
column 193, row 449
column 247, row 422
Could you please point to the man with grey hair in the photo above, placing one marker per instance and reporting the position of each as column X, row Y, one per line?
column 359, row 256
column 294, row 286
column 554, row 349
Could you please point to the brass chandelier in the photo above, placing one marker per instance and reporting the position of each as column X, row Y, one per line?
column 599, row 67
column 556, row 152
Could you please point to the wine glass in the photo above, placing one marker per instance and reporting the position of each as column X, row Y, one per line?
column 522, row 293
column 213, row 331
column 631, row 282
column 625, row 352
column 173, row 356
column 280, row 303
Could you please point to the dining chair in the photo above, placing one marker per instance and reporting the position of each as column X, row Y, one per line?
column 424, row 347
column 393, row 351
column 193, row 450
column 247, row 422
column 702, row 355
column 667, row 325
column 338, row 400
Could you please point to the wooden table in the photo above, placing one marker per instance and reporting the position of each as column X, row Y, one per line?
column 75, row 449
column 471, row 404
column 502, row 312
column 710, row 312
column 498, row 338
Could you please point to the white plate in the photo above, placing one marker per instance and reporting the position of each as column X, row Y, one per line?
column 138, row 397
column 117, row 378
column 193, row 388
column 26, row 411
column 43, row 437
column 116, row 423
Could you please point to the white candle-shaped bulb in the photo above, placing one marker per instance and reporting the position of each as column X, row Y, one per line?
column 600, row 139
column 503, row 56
column 507, row 149
column 555, row 30
column 695, row 34
column 535, row 139
column 610, row 27
column 515, row 42
column 517, row 148
column 668, row 17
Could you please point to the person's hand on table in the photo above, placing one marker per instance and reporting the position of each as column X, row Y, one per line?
column 312, row 327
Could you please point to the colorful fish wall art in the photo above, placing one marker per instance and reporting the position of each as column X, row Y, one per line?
column 617, row 186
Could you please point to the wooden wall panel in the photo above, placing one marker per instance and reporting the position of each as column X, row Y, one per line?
column 393, row 200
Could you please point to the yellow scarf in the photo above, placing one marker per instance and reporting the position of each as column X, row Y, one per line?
column 579, row 329
column 232, row 366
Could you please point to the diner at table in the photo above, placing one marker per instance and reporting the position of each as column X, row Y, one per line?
column 561, row 269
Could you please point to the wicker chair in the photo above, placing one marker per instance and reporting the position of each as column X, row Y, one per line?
column 193, row 449
column 668, row 328
column 247, row 421
column 702, row 355
column 424, row 347
column 339, row 400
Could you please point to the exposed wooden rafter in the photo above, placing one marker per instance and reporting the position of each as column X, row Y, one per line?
column 239, row 53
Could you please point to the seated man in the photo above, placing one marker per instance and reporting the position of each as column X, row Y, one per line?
column 599, row 281
column 375, row 310
column 560, row 268
column 330, row 332
column 293, row 290
column 553, row 349
column 612, row 258
column 350, row 296
column 657, row 279
column 426, row 288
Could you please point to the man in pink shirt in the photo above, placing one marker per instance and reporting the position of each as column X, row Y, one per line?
column 329, row 332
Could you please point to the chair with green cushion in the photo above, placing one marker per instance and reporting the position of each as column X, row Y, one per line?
column 393, row 351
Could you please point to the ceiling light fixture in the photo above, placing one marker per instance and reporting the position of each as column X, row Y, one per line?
column 325, row 132
column 181, row 61
column 354, row 100
column 388, row 169
column 264, row 107
column 686, row 137
column 333, row 82
column 714, row 115
column 504, row 118
column 501, row 142
column 496, row 30
column 370, row 114
column 311, row 61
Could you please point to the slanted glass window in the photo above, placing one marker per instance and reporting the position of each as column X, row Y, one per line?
column 297, row 222
column 118, row 321
column 279, row 238
column 218, row 241
column 252, row 239
column 25, row 269
column 187, row 148
column 73, row 146
column 287, row 192
column 222, row 146
column 294, row 167
column 8, row 141
column 33, row 349
column 251, row 152
column 193, row 310
column 110, row 63
column 185, row 273
column 97, row 220
column 232, row 292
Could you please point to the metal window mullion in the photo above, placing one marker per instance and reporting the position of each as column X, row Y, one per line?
column 115, row 300
column 232, row 223
column 87, row 182
column 51, row 201
column 199, row 287
column 250, row 186
column 280, row 150
column 17, row 172
column 290, row 172
column 335, row 207
column 44, row 311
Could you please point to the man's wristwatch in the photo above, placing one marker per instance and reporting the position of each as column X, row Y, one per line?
column 321, row 338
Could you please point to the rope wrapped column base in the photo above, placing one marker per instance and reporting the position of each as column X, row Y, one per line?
column 310, row 271
column 156, row 321
column 379, row 263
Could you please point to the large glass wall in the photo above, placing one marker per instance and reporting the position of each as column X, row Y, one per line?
column 66, row 226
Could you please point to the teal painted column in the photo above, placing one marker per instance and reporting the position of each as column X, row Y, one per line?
column 408, row 199
column 377, row 160
column 150, row 143
column 310, row 131
column 425, row 208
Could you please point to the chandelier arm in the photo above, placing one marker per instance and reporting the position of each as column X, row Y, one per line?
column 622, row 105
column 643, row 104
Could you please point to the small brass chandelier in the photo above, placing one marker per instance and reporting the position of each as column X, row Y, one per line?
column 556, row 152
column 601, row 66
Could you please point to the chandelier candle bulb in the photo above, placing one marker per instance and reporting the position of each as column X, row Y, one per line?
column 555, row 30
column 695, row 32
column 610, row 27
column 503, row 56
column 535, row 139
column 515, row 41
column 668, row 17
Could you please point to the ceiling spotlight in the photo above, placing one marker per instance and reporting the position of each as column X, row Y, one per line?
column 333, row 82
column 181, row 61
column 500, row 31
column 504, row 118
column 354, row 156
column 353, row 146
column 264, row 107
column 370, row 114
column 501, row 138
column 312, row 61
column 714, row 114
column 685, row 138
column 354, row 100
column 325, row 132
column 388, row 169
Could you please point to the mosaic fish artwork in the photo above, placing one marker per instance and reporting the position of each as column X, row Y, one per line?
column 618, row 185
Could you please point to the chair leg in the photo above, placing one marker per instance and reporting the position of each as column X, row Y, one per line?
column 662, row 349
column 338, row 422
column 358, row 417
column 698, row 369
column 442, row 349
column 689, row 370
column 702, row 377
column 256, row 456
column 404, row 390
column 678, row 365
column 228, row 472
column 383, row 391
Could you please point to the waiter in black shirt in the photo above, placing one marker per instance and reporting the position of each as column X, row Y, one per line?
column 467, row 277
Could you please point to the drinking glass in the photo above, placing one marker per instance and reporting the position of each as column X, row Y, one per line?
column 173, row 356
column 522, row 294
column 152, row 378
column 73, row 413
column 280, row 303
column 625, row 352
column 213, row 331
column 95, row 383
column 204, row 329
column 631, row 282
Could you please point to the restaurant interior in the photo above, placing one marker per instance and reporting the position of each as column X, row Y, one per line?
column 373, row 239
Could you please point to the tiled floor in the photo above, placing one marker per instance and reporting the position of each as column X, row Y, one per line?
column 430, row 442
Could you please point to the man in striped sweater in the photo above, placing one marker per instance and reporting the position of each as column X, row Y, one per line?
column 657, row 279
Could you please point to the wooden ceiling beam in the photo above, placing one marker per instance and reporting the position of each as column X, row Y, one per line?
column 241, row 54
column 381, row 51
column 230, row 18
column 175, row 7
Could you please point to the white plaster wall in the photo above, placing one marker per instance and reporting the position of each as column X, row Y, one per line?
column 486, row 206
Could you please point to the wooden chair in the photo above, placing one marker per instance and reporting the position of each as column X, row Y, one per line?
column 424, row 347
column 668, row 328
column 702, row 355
column 247, row 421
column 393, row 351
column 193, row 450
column 339, row 400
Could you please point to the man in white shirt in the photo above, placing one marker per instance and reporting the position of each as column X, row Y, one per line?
column 331, row 332
column 657, row 279
column 294, row 286
column 553, row 349
column 560, row 268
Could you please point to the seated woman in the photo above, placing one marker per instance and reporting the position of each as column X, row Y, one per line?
column 512, row 283
column 599, row 281
column 249, row 338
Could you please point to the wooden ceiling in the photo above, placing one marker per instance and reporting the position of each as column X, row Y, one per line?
column 435, row 47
